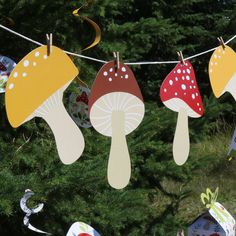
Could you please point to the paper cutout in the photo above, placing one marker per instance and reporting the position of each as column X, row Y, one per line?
column 116, row 108
column 81, row 229
column 233, row 143
column 6, row 66
column 29, row 211
column 93, row 24
column 179, row 92
column 78, row 107
column 216, row 221
column 222, row 71
column 3, row 82
column 35, row 88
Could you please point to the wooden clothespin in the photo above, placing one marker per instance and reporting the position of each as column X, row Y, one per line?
column 49, row 43
column 181, row 58
column 117, row 57
column 221, row 41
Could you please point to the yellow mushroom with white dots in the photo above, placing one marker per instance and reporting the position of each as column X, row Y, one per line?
column 222, row 71
column 35, row 89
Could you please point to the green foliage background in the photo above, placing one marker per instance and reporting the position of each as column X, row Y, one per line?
column 161, row 196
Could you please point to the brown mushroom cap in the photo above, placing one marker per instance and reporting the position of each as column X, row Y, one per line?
column 115, row 89
column 35, row 78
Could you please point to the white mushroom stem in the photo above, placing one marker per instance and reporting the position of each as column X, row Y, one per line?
column 119, row 167
column 230, row 87
column 181, row 139
column 69, row 139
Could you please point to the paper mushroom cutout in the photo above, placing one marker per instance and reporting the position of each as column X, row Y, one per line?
column 81, row 229
column 35, row 88
column 78, row 107
column 6, row 66
column 179, row 92
column 116, row 108
column 3, row 82
column 222, row 71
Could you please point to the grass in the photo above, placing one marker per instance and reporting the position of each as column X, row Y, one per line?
column 217, row 171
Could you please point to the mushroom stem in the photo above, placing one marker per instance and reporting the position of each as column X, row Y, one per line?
column 119, row 167
column 181, row 138
column 69, row 139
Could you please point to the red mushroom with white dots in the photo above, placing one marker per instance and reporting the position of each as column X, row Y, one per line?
column 179, row 92
column 116, row 108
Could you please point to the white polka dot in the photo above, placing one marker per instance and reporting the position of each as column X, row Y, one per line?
column 194, row 86
column 183, row 86
column 178, row 71
column 176, row 78
column 122, row 77
column 200, row 109
column 176, row 94
column 174, row 72
column 193, row 96
column 165, row 90
column 210, row 70
column 26, row 63
column 185, row 94
column 34, row 63
column 15, row 74
column 37, row 54
column 116, row 74
column 171, row 82
column 188, row 71
column 105, row 73
column 190, row 87
column 126, row 76
column 212, row 63
column 187, row 77
column 123, row 69
column 24, row 74
column 192, row 81
column 219, row 50
column 183, row 78
column 190, row 67
column 11, row 86
column 186, row 64
column 198, row 104
column 111, row 70
column 45, row 56
column 219, row 57
column 110, row 79
column 196, row 94
column 184, row 71
column 216, row 63
column 223, row 52
column 215, row 56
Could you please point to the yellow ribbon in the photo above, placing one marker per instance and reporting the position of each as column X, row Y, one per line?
column 209, row 200
column 94, row 25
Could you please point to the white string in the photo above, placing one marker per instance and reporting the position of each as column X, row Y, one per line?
column 40, row 44
column 127, row 63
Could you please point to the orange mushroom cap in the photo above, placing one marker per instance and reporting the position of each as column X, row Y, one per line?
column 34, row 79
column 222, row 68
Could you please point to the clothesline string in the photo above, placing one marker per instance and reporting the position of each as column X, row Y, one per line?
column 102, row 61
